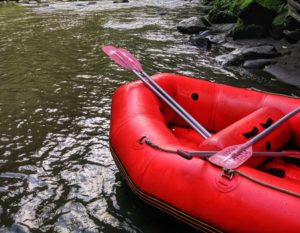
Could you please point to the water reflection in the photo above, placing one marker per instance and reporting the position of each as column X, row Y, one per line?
column 56, row 171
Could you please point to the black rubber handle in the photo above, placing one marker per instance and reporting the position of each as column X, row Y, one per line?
column 184, row 154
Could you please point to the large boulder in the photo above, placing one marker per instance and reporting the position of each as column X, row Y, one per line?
column 287, row 23
column 287, row 67
column 250, row 11
column 259, row 11
column 253, row 17
column 242, row 30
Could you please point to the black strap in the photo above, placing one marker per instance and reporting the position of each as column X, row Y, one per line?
column 251, row 133
column 275, row 172
column 268, row 123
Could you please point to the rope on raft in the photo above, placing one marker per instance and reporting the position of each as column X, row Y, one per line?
column 266, row 184
column 148, row 142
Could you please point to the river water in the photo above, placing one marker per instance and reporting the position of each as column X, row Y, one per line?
column 56, row 171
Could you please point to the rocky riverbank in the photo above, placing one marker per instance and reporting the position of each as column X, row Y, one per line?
column 260, row 34
column 263, row 34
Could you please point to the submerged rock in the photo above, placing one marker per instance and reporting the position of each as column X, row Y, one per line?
column 200, row 41
column 217, row 39
column 229, row 60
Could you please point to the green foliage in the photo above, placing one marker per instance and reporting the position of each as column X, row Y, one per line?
column 244, row 4
column 280, row 20
column 235, row 6
column 274, row 5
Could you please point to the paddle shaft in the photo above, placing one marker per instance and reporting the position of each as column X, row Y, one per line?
column 173, row 104
column 128, row 61
column 177, row 108
column 204, row 154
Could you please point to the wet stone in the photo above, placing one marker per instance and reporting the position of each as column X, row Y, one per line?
column 258, row 63
column 200, row 41
column 191, row 25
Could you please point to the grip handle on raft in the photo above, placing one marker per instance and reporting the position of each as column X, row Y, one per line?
column 184, row 154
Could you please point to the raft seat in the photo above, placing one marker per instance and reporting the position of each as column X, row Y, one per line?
column 247, row 128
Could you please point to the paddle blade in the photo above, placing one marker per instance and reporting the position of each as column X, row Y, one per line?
column 132, row 60
column 231, row 157
column 122, row 57
column 112, row 52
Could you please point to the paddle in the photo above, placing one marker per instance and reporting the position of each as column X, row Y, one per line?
column 126, row 60
column 233, row 156
column 204, row 154
column 230, row 157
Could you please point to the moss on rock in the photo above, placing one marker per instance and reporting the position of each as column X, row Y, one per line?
column 284, row 21
column 259, row 11
column 273, row 5
column 258, row 16
column 222, row 17
column 279, row 24
column 242, row 30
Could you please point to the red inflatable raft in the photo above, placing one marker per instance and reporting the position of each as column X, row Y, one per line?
column 262, row 195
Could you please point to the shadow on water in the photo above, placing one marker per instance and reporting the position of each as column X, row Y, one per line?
column 146, row 217
column 56, row 171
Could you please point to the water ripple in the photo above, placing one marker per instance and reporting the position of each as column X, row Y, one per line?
column 56, row 170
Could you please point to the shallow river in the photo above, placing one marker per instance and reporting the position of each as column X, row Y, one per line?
column 56, row 171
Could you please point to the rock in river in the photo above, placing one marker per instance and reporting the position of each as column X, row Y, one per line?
column 248, row 53
column 258, row 63
column 120, row 1
column 287, row 67
column 191, row 25
column 200, row 41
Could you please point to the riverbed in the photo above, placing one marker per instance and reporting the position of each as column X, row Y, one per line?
column 56, row 170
